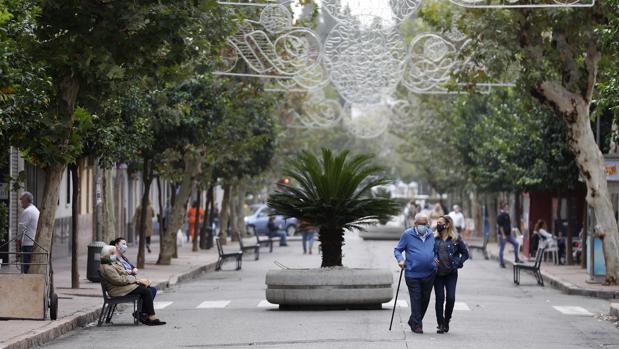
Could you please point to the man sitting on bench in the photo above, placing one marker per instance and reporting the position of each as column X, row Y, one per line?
column 274, row 231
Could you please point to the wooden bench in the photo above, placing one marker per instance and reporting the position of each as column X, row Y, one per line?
column 254, row 247
column 266, row 241
column 238, row 255
column 531, row 267
column 110, row 303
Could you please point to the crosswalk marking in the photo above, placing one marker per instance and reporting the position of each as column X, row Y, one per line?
column 461, row 306
column 401, row 304
column 266, row 304
column 213, row 305
column 572, row 310
column 458, row 306
column 161, row 305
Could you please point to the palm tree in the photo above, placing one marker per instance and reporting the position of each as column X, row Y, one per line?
column 334, row 193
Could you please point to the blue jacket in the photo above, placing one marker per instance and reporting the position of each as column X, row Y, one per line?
column 419, row 254
column 457, row 250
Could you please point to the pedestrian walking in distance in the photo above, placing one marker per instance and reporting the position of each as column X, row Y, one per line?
column 308, row 232
column 28, row 221
column 148, row 222
column 451, row 253
column 458, row 219
column 417, row 243
column 505, row 234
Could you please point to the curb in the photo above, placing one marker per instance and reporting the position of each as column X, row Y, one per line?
column 567, row 287
column 614, row 309
column 81, row 319
column 53, row 330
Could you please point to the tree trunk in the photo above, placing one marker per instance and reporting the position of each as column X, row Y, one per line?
column 224, row 215
column 571, row 219
column 583, row 238
column 177, row 212
column 211, row 216
column 161, row 213
column 172, row 202
column 196, row 225
column 240, row 212
column 518, row 211
column 492, row 214
column 68, row 89
column 477, row 215
column 109, row 221
column 45, row 227
column 331, row 241
column 574, row 109
column 75, row 212
column 147, row 178
column 234, row 229
column 558, row 217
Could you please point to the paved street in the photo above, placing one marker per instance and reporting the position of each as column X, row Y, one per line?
column 228, row 310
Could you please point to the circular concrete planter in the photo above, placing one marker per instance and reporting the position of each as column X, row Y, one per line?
column 337, row 288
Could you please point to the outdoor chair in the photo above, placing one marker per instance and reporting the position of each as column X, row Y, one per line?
column 553, row 250
column 534, row 268
column 110, row 303
column 254, row 247
column 238, row 255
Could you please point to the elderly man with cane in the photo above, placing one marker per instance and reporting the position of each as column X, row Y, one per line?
column 420, row 268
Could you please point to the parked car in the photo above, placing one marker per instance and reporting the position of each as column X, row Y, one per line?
column 256, row 223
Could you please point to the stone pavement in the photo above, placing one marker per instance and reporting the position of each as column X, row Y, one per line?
column 79, row 307
column 570, row 279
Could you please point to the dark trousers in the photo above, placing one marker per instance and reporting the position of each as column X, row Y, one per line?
column 445, row 284
column 153, row 291
column 283, row 238
column 147, row 299
column 26, row 258
column 420, row 290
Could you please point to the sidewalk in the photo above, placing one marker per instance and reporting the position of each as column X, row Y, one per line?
column 79, row 307
column 570, row 279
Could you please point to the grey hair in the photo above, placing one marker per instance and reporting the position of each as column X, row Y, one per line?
column 28, row 196
column 107, row 250
column 421, row 216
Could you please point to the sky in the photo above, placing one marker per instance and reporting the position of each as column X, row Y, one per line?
column 379, row 8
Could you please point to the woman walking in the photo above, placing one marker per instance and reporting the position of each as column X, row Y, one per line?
column 451, row 253
column 308, row 232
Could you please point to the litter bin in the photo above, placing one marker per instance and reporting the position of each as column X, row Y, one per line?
column 93, row 263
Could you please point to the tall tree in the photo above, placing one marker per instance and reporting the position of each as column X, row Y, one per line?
column 559, row 53
column 83, row 49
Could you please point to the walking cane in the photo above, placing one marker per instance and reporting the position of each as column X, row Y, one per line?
column 395, row 302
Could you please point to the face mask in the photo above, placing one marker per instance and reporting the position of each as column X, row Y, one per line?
column 113, row 258
column 123, row 249
column 440, row 227
column 422, row 229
